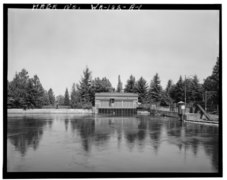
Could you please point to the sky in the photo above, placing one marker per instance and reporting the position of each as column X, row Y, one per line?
column 57, row 45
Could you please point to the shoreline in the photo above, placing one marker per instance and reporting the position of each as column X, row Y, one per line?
column 188, row 117
column 49, row 111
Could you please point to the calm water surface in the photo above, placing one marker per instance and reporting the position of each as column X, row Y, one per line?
column 95, row 143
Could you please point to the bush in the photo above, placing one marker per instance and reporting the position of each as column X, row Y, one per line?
column 87, row 106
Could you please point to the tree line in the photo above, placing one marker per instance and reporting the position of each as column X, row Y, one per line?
column 26, row 92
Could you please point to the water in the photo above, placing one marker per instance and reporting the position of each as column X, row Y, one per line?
column 101, row 144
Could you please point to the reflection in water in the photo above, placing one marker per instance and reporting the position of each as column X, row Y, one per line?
column 103, row 130
column 26, row 133
column 66, row 123
column 207, row 137
column 175, row 131
column 88, row 143
column 155, row 133
column 85, row 127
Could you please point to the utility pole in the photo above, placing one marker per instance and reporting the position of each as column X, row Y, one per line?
column 205, row 98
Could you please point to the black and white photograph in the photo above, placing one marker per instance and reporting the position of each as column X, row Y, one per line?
column 127, row 89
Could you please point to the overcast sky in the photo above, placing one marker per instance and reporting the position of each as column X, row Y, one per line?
column 57, row 45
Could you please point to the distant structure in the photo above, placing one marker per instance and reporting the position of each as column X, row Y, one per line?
column 116, row 103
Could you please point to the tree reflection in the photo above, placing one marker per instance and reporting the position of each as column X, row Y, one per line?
column 212, row 145
column 193, row 136
column 142, row 126
column 85, row 127
column 104, row 127
column 175, row 131
column 135, row 131
column 206, row 136
column 212, row 150
column 174, row 128
column 96, row 131
column 155, row 127
column 50, row 123
column 103, row 133
column 66, row 124
column 25, row 132
column 195, row 144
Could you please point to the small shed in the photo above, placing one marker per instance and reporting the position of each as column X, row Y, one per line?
column 115, row 103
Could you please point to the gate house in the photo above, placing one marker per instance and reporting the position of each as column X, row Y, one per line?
column 116, row 103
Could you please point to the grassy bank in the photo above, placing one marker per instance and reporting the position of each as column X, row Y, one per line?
column 49, row 111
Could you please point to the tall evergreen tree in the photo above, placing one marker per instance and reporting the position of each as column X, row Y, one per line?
column 100, row 85
column 211, row 83
column 188, row 88
column 166, row 99
column 178, row 92
column 155, row 91
column 141, row 89
column 35, row 92
column 17, row 89
column 46, row 100
column 25, row 92
column 51, row 96
column 84, row 87
column 211, row 86
column 169, row 86
column 196, row 90
column 106, row 84
column 10, row 99
column 66, row 98
column 119, row 85
column 74, row 96
column 30, row 94
column 130, row 87
column 215, row 74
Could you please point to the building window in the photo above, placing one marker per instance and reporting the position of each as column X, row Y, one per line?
column 111, row 102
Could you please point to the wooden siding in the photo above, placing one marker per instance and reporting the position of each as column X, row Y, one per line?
column 120, row 100
column 117, row 104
